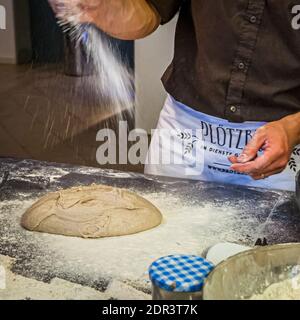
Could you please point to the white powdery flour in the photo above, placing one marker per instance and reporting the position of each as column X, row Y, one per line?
column 288, row 289
column 187, row 228
column 112, row 80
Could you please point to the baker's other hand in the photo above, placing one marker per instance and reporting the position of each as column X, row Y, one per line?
column 276, row 140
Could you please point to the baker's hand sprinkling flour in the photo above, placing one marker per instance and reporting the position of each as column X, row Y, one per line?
column 276, row 140
column 123, row 19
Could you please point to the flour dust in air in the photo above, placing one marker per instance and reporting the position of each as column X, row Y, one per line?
column 111, row 80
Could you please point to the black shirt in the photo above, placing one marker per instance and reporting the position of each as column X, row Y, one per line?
column 235, row 59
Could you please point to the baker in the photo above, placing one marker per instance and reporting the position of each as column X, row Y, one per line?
column 233, row 85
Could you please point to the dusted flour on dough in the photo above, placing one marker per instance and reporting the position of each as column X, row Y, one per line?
column 92, row 212
column 285, row 290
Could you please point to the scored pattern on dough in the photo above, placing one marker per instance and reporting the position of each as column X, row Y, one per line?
column 92, row 212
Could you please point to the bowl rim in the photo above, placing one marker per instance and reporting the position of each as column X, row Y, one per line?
column 253, row 250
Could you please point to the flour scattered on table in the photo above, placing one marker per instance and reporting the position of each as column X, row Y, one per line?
column 187, row 228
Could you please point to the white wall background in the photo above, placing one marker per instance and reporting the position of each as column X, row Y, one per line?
column 15, row 38
column 152, row 56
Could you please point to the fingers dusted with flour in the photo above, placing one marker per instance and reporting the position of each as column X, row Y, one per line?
column 276, row 141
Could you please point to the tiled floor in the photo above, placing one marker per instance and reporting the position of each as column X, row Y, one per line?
column 46, row 115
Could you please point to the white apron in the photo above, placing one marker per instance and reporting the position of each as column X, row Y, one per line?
column 193, row 145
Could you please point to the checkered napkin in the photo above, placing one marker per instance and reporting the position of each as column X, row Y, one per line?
column 180, row 273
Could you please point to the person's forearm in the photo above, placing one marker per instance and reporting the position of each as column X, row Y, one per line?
column 292, row 123
column 123, row 19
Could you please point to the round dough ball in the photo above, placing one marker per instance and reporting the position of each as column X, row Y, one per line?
column 92, row 212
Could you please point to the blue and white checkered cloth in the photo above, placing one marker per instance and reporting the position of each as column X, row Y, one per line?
column 180, row 273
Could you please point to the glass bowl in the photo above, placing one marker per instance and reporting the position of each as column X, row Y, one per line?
column 251, row 272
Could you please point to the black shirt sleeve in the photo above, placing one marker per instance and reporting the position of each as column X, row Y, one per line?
column 167, row 9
